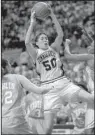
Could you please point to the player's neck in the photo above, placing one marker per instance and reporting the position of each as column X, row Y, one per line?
column 44, row 49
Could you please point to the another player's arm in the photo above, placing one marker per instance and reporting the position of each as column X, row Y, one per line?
column 79, row 57
column 91, row 48
column 29, row 35
column 59, row 39
column 29, row 86
column 67, row 48
column 75, row 57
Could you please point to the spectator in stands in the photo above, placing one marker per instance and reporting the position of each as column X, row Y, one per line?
column 15, row 24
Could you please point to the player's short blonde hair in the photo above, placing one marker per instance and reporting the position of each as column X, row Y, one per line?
column 38, row 35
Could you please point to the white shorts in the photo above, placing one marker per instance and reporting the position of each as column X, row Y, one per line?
column 63, row 91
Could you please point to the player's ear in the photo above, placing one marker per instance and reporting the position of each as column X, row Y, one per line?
column 37, row 44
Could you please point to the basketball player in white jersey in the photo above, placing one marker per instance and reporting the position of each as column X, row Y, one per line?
column 13, row 116
column 48, row 65
column 88, row 73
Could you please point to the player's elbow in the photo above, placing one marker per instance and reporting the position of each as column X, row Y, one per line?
column 60, row 34
column 67, row 56
column 27, row 42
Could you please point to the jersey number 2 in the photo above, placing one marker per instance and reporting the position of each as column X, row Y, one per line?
column 49, row 64
column 8, row 96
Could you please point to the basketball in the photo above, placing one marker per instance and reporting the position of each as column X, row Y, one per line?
column 42, row 10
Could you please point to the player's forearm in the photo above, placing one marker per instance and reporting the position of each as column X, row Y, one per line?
column 57, row 25
column 29, row 86
column 79, row 57
column 91, row 48
column 29, row 34
column 36, row 89
column 33, row 88
column 40, row 90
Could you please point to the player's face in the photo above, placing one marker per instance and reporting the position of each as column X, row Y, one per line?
column 86, row 40
column 42, row 42
column 88, row 26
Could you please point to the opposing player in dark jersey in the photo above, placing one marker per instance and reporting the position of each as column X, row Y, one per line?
column 13, row 116
column 48, row 65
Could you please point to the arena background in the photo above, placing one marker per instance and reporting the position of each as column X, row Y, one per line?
column 15, row 17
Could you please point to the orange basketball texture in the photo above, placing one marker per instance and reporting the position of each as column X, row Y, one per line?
column 42, row 10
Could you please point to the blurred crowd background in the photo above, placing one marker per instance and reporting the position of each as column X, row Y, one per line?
column 15, row 22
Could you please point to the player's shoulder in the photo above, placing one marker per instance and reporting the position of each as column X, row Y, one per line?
column 10, row 76
column 15, row 77
column 39, row 51
column 52, row 49
column 18, row 76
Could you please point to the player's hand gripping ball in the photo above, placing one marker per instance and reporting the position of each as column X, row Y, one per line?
column 42, row 10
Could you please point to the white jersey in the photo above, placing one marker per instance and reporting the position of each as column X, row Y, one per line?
column 48, row 64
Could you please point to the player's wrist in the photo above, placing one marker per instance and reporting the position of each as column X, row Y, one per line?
column 31, row 21
column 33, row 18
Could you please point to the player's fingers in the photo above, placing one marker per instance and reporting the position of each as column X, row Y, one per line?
column 49, row 6
column 68, row 41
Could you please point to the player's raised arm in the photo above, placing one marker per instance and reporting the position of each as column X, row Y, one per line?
column 59, row 39
column 30, row 48
column 29, row 86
